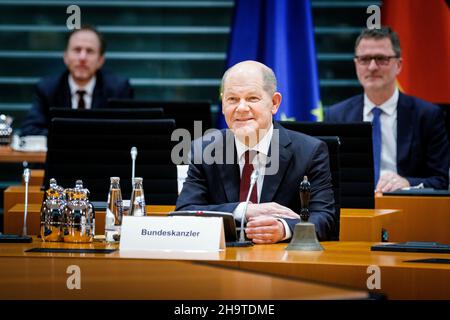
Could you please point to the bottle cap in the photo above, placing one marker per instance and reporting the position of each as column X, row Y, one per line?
column 137, row 180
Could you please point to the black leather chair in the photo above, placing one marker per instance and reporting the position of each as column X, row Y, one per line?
column 184, row 112
column 333, row 144
column 94, row 150
column 108, row 113
column 355, row 157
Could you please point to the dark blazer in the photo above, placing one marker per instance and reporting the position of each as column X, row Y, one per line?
column 423, row 154
column 215, row 187
column 54, row 92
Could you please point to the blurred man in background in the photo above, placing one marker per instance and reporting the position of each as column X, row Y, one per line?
column 83, row 85
column 410, row 142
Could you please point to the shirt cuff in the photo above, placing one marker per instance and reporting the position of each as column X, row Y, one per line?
column 237, row 213
column 287, row 230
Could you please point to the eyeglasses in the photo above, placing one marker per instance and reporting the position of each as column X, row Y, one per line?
column 379, row 60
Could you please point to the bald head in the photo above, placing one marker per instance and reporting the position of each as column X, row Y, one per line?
column 266, row 74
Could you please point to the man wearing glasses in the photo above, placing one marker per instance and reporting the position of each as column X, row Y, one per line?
column 410, row 143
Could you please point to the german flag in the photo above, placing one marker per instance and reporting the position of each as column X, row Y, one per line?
column 424, row 30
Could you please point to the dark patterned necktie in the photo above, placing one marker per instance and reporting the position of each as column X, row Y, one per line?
column 245, row 179
column 81, row 103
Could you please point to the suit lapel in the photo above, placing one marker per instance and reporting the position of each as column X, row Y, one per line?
column 229, row 173
column 64, row 97
column 98, row 96
column 356, row 111
column 404, row 128
column 272, row 182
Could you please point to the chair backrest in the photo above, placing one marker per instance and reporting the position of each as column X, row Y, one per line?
column 94, row 150
column 333, row 144
column 184, row 112
column 355, row 157
column 108, row 113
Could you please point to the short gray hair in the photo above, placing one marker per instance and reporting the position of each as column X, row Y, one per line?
column 268, row 76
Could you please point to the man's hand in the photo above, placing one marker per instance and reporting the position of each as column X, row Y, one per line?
column 270, row 209
column 263, row 230
column 391, row 181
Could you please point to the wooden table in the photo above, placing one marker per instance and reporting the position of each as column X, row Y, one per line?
column 13, row 219
column 342, row 264
column 110, row 276
column 346, row 263
column 356, row 224
column 370, row 224
column 9, row 155
column 16, row 194
column 36, row 177
column 424, row 218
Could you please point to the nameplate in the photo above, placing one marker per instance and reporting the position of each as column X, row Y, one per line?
column 172, row 233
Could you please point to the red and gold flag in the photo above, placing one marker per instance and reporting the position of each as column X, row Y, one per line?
column 423, row 27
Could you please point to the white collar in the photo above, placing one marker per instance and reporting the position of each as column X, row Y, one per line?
column 388, row 107
column 262, row 147
column 89, row 87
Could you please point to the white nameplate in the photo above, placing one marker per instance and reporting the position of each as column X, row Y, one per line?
column 172, row 233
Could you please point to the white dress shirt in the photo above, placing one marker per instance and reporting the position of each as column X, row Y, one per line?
column 259, row 162
column 388, row 120
column 89, row 88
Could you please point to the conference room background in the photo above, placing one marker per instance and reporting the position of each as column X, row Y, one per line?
column 177, row 51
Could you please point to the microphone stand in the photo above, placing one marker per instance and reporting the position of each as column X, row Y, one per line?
column 242, row 242
column 13, row 238
column 26, row 178
column 133, row 153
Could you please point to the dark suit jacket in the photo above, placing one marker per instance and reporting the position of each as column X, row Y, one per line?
column 54, row 92
column 215, row 187
column 423, row 154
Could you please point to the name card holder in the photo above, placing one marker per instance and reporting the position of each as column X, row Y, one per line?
column 172, row 234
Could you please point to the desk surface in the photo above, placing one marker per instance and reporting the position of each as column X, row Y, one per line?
column 47, row 276
column 424, row 218
column 342, row 264
column 9, row 155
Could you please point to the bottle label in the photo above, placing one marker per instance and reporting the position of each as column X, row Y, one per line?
column 112, row 235
column 111, row 230
column 138, row 209
column 83, row 225
column 119, row 205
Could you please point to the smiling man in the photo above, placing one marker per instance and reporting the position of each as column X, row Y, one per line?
column 282, row 158
column 82, row 86
column 410, row 143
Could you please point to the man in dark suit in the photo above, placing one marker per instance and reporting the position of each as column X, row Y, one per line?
column 282, row 158
column 82, row 86
column 409, row 137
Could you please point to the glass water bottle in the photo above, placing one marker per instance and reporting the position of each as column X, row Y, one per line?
column 137, row 201
column 114, row 211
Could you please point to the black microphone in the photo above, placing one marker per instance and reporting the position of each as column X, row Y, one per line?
column 253, row 179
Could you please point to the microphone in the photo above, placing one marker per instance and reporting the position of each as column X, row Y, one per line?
column 26, row 179
column 133, row 153
column 253, row 179
column 12, row 238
